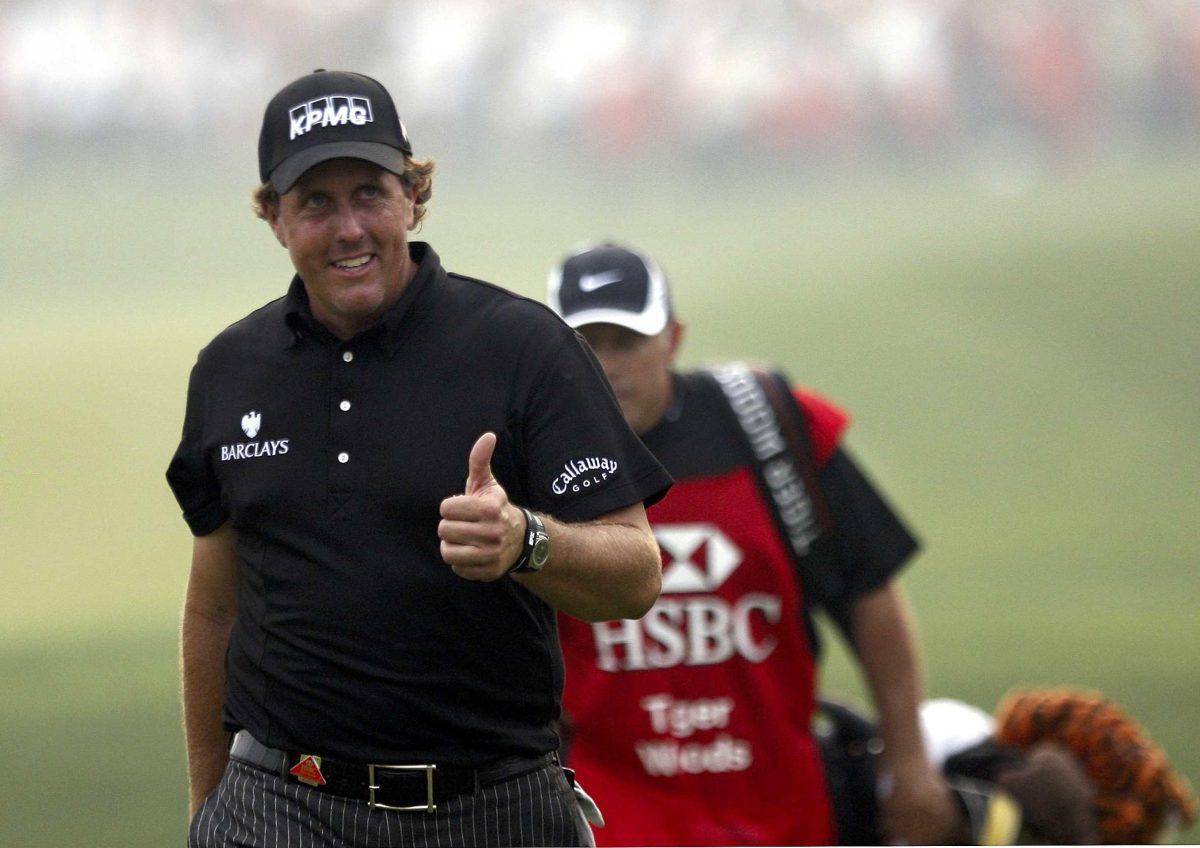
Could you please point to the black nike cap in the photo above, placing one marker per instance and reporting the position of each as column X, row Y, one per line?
column 610, row 284
column 329, row 115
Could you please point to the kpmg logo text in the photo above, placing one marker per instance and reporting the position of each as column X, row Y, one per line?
column 332, row 111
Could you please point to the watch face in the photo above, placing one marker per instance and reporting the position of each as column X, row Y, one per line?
column 539, row 554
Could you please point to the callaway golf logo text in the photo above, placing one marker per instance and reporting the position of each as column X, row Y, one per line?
column 583, row 473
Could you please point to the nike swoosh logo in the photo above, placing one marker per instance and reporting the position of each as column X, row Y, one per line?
column 591, row 282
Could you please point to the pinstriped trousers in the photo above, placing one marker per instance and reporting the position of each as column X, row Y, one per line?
column 255, row 808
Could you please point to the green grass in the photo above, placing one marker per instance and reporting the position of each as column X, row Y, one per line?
column 1021, row 370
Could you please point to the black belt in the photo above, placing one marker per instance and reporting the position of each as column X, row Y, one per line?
column 408, row 787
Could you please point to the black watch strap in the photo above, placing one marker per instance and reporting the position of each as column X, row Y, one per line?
column 535, row 539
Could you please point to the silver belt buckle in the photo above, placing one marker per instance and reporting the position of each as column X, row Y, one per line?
column 373, row 785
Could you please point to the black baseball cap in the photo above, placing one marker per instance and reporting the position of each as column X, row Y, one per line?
column 610, row 284
column 329, row 115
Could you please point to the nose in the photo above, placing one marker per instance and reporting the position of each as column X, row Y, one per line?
column 347, row 227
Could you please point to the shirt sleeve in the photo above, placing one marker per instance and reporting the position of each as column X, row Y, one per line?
column 826, row 423
column 582, row 460
column 869, row 543
column 190, row 475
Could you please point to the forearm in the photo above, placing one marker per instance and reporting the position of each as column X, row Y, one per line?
column 599, row 571
column 209, row 611
column 918, row 809
column 202, row 662
column 885, row 640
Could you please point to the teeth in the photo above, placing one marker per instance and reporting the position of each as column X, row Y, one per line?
column 353, row 263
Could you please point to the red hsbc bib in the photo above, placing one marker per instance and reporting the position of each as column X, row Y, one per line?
column 692, row 724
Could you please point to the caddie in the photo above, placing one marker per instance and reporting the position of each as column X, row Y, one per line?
column 692, row 725
column 395, row 476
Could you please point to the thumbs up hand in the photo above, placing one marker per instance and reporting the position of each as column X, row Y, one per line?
column 479, row 465
column 482, row 533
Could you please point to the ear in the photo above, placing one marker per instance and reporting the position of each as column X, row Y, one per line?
column 676, row 329
column 272, row 211
column 410, row 199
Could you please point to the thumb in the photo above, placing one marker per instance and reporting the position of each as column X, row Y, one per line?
column 479, row 464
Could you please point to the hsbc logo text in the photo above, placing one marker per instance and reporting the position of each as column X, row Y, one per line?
column 331, row 111
column 693, row 631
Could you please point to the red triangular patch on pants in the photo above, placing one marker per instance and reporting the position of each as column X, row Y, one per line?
column 308, row 770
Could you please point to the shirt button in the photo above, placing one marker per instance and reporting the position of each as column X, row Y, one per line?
column 344, row 406
column 343, row 457
column 347, row 356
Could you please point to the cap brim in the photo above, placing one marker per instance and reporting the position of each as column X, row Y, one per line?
column 649, row 323
column 291, row 169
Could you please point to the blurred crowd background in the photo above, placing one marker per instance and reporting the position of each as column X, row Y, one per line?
column 817, row 82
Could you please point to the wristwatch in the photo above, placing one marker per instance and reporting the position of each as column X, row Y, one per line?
column 536, row 552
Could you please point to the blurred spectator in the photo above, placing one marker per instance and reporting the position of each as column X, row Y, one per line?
column 700, row 78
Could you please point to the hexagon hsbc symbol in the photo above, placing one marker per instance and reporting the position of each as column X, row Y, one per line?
column 696, row 557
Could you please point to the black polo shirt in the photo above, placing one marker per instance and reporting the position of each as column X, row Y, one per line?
column 353, row 638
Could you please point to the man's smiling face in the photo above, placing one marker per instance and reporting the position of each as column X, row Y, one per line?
column 345, row 224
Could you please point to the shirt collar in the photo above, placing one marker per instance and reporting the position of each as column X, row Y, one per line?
column 300, row 321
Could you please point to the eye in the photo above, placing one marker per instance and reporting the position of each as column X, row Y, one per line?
column 314, row 201
column 370, row 192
